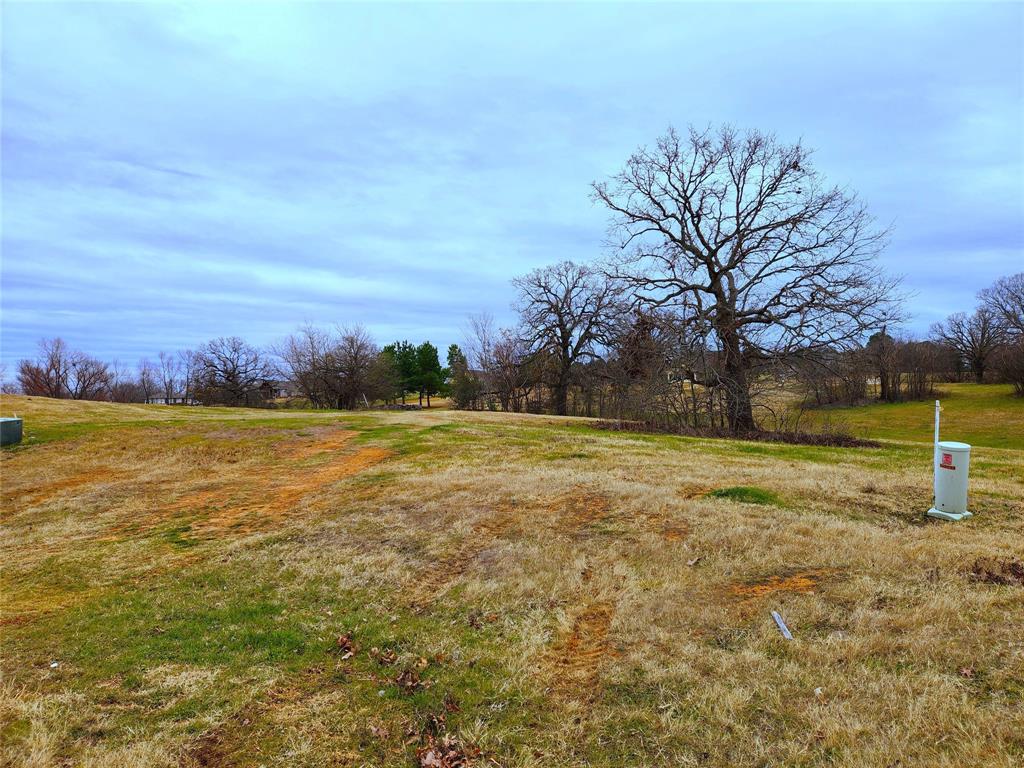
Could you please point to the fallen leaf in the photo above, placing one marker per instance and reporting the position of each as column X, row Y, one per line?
column 451, row 703
column 408, row 680
column 385, row 657
column 345, row 645
column 445, row 753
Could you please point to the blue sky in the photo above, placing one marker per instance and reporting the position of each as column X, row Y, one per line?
column 177, row 172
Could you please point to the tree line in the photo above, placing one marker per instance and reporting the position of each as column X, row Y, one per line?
column 340, row 369
column 733, row 271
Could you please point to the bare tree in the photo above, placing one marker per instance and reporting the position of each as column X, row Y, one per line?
column 503, row 359
column 170, row 372
column 189, row 369
column 512, row 370
column 230, row 372
column 342, row 370
column 148, row 379
column 354, row 361
column 565, row 312
column 47, row 375
column 1005, row 300
column 1008, row 363
column 88, row 379
column 478, row 341
column 974, row 337
column 306, row 361
column 124, row 385
column 741, row 235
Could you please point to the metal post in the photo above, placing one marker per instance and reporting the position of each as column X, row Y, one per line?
column 935, row 455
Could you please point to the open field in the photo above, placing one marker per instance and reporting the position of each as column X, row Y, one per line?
column 979, row 414
column 240, row 588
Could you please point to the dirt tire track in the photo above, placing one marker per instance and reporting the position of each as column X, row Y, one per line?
column 437, row 579
column 258, row 502
column 576, row 661
column 228, row 742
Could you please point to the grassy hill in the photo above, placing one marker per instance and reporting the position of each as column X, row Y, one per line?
column 242, row 588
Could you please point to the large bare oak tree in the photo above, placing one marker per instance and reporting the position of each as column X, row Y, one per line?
column 745, row 240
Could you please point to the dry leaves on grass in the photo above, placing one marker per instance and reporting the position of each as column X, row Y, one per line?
column 997, row 570
column 446, row 752
column 345, row 646
column 478, row 618
column 383, row 657
column 409, row 681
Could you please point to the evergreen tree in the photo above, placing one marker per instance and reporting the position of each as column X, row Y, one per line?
column 430, row 374
column 406, row 360
column 463, row 386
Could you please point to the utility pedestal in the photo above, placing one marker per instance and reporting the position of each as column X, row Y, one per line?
column 954, row 460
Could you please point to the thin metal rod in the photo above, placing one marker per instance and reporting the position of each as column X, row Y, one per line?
column 781, row 625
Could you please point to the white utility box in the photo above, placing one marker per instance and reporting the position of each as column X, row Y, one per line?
column 952, row 461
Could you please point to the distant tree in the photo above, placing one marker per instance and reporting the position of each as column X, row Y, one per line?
column 148, row 379
column 170, row 373
column 430, row 375
column 1005, row 300
column 89, row 378
column 1008, row 363
column 231, row 372
column 124, row 385
column 344, row 369
column 883, row 353
column 974, row 337
column 505, row 361
column 189, row 360
column 465, row 387
column 565, row 311
column 741, row 236
column 388, row 375
column 356, row 361
column 307, row 360
column 59, row 371
column 404, row 356
column 47, row 375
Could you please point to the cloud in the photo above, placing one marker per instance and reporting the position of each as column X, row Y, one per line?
column 177, row 172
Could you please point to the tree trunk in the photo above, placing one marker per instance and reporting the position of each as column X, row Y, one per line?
column 739, row 410
column 560, row 393
column 560, row 397
column 978, row 369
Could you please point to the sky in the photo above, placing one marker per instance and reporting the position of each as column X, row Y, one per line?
column 173, row 173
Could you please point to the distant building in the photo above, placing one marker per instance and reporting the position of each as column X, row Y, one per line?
column 175, row 399
column 272, row 389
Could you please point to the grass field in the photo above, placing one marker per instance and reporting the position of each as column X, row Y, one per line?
column 267, row 588
column 980, row 414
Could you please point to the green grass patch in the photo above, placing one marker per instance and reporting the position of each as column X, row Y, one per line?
column 980, row 414
column 747, row 495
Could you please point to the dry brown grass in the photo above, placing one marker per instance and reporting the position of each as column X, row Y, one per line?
column 579, row 593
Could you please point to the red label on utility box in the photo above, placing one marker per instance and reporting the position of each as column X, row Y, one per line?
column 947, row 461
